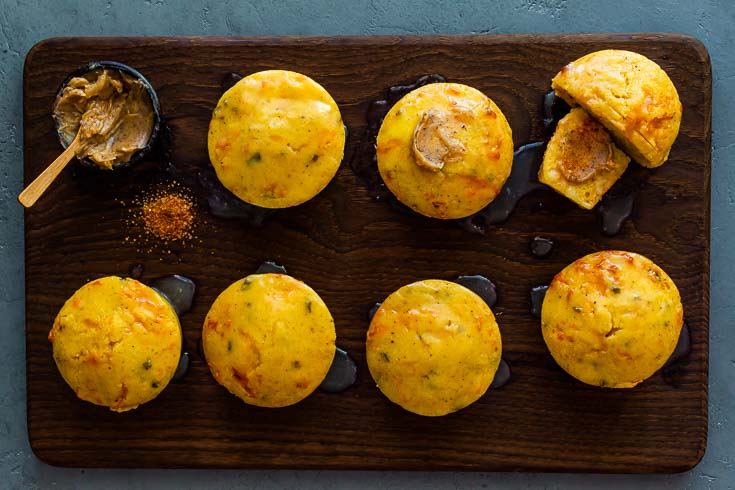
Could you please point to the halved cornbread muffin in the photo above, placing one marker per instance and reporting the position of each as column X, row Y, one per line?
column 581, row 161
column 276, row 139
column 116, row 342
column 433, row 347
column 269, row 339
column 611, row 318
column 445, row 150
column 630, row 95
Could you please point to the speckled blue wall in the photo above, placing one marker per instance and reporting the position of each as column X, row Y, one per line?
column 23, row 23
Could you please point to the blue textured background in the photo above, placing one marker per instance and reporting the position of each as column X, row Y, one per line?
column 23, row 23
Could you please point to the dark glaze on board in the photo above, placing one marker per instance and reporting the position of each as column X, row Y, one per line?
column 523, row 180
column 342, row 373
column 537, row 299
column 481, row 286
column 541, row 247
column 182, row 368
column 136, row 271
column 270, row 267
column 502, row 375
column 553, row 109
column 179, row 291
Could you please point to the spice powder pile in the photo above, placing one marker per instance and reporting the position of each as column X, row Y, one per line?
column 162, row 217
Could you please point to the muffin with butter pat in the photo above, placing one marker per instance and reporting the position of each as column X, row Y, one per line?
column 269, row 339
column 116, row 342
column 445, row 150
column 276, row 139
column 433, row 347
column 581, row 161
column 630, row 95
column 611, row 318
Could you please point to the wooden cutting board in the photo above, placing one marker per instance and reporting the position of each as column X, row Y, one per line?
column 354, row 251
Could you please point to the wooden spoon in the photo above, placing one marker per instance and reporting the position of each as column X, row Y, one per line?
column 35, row 189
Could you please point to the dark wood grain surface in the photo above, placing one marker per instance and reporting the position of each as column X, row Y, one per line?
column 354, row 251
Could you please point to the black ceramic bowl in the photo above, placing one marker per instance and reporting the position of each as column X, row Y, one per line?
column 98, row 65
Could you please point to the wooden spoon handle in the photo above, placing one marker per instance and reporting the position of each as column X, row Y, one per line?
column 35, row 189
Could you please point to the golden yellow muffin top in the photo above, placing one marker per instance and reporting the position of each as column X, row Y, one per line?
column 611, row 318
column 445, row 150
column 630, row 95
column 433, row 347
column 276, row 139
column 116, row 342
column 269, row 339
column 581, row 161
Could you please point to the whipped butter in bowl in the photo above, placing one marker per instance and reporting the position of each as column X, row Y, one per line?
column 115, row 110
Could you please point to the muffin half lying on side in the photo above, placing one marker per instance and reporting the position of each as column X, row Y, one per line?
column 116, row 342
column 611, row 318
column 433, row 347
column 269, row 339
column 581, row 162
column 630, row 95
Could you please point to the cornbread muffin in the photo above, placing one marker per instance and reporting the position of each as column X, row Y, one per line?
column 276, row 139
column 581, row 162
column 611, row 318
column 630, row 95
column 445, row 150
column 116, row 342
column 433, row 347
column 269, row 339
